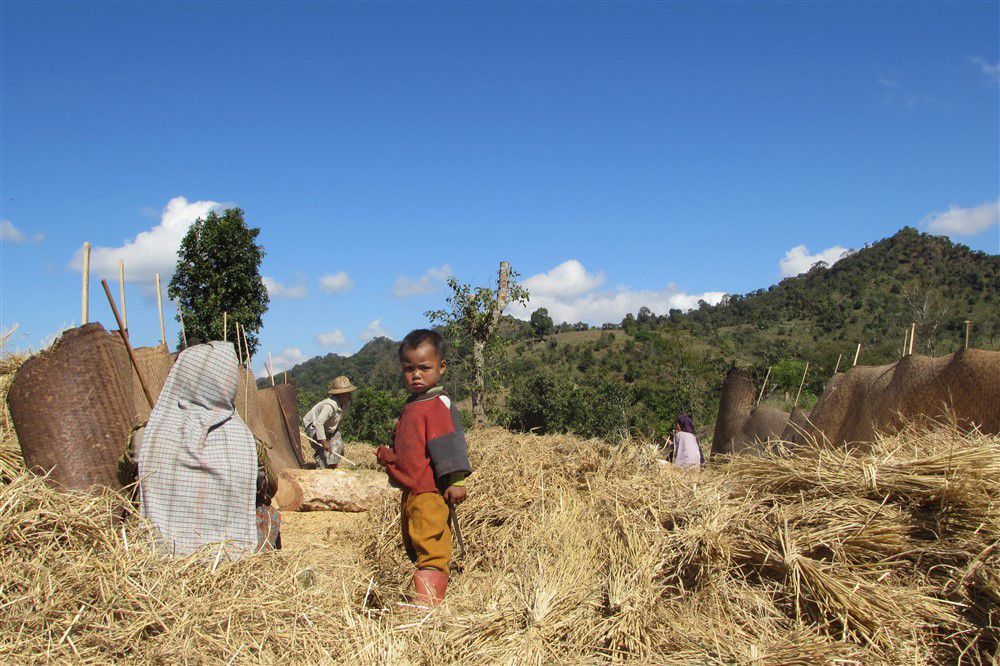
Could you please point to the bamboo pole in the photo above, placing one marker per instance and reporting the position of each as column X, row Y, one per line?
column 85, row 296
column 906, row 337
column 913, row 334
column 270, row 368
column 764, row 385
column 225, row 328
column 285, row 373
column 159, row 307
column 128, row 347
column 801, row 384
column 121, row 292
column 856, row 355
column 968, row 328
column 837, row 367
column 184, row 337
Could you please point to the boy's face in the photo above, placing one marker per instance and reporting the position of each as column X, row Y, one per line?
column 422, row 367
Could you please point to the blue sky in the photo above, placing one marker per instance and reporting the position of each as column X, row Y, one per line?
column 617, row 154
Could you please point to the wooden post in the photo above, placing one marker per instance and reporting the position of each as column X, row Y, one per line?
column 128, row 347
column 968, row 328
column 285, row 374
column 837, row 367
column 184, row 337
column 159, row 306
column 801, row 384
column 85, row 297
column 906, row 336
column 764, row 385
column 225, row 328
column 121, row 292
column 913, row 334
column 856, row 355
column 270, row 368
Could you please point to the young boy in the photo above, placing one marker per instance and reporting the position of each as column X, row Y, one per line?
column 322, row 423
column 429, row 462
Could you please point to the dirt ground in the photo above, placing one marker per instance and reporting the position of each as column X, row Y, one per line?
column 326, row 540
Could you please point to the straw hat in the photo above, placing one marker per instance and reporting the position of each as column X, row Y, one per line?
column 341, row 385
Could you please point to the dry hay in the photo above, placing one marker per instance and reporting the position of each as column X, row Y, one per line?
column 11, row 461
column 578, row 552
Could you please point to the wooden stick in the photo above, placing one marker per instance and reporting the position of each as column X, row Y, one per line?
column 121, row 292
column 913, row 334
column 225, row 328
column 837, row 367
column 85, row 297
column 764, row 385
column 968, row 327
column 239, row 347
column 246, row 347
column 270, row 368
column 184, row 337
column 128, row 347
column 906, row 336
column 285, row 373
column 801, row 384
column 159, row 306
column 856, row 355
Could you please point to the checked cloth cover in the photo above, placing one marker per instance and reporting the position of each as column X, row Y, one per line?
column 197, row 458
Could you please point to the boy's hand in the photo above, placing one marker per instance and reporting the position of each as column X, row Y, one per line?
column 325, row 444
column 455, row 495
column 382, row 455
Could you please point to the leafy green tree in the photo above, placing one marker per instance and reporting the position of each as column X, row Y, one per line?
column 787, row 375
column 218, row 270
column 372, row 415
column 472, row 321
column 541, row 322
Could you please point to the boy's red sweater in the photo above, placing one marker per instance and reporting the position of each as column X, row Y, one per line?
column 429, row 444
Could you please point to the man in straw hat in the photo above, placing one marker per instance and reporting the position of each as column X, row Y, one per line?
column 322, row 423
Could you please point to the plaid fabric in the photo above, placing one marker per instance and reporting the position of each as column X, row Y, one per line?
column 197, row 459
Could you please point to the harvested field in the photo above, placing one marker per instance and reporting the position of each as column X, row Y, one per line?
column 578, row 552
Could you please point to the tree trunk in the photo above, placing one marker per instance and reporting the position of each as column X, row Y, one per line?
column 479, row 382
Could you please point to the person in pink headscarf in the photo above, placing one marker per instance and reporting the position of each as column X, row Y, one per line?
column 687, row 450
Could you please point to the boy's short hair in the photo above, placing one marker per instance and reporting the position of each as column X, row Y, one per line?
column 421, row 336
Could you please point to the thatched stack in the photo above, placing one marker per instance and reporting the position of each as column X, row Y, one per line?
column 742, row 426
column 855, row 405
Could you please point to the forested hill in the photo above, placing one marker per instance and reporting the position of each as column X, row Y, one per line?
column 636, row 375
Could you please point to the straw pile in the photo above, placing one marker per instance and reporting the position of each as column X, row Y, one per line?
column 578, row 552
column 11, row 461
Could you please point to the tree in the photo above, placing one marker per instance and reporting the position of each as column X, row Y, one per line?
column 218, row 270
column 472, row 320
column 542, row 323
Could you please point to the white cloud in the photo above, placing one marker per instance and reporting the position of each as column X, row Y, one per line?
column 374, row 330
column 428, row 283
column 286, row 359
column 990, row 69
column 276, row 289
column 153, row 251
column 337, row 283
column 570, row 294
column 567, row 279
column 11, row 234
column 957, row 221
column 335, row 338
column 798, row 260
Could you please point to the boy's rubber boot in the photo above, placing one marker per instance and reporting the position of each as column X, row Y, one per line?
column 429, row 586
